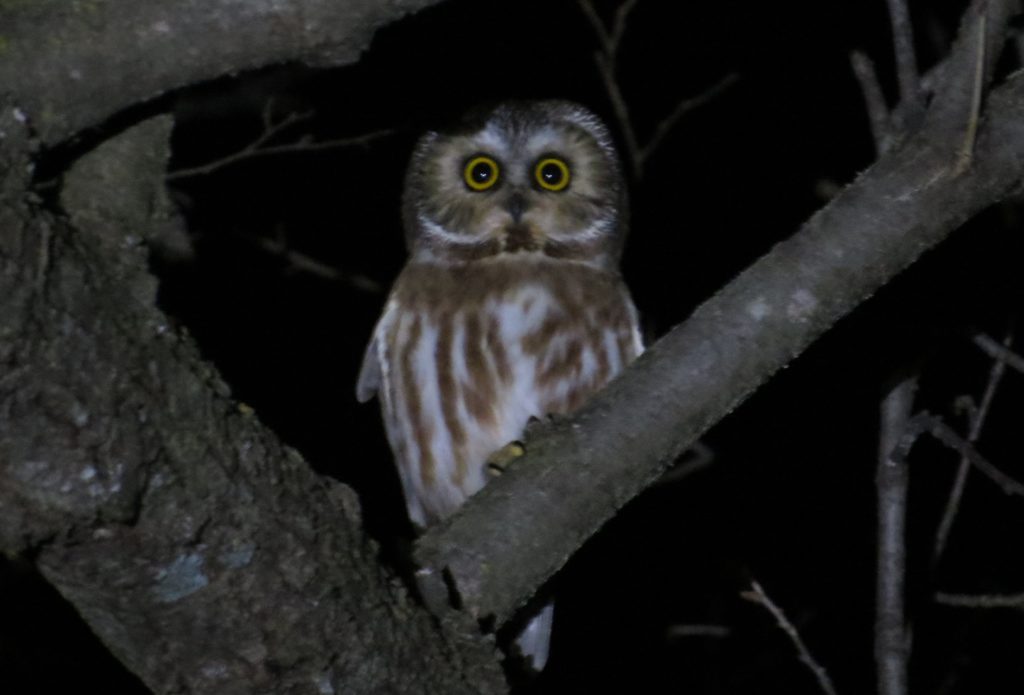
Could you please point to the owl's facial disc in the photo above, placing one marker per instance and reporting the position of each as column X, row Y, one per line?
column 534, row 179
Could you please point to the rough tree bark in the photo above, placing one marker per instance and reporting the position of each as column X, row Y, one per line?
column 206, row 555
column 209, row 557
column 71, row 65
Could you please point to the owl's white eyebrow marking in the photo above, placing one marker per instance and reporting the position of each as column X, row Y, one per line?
column 546, row 138
column 492, row 139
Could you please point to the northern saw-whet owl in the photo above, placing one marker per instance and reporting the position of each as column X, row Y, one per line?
column 511, row 305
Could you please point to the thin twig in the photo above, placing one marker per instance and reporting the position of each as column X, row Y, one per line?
column 301, row 262
column 621, row 109
column 976, row 421
column 892, row 643
column 874, row 100
column 981, row 600
column 906, row 60
column 720, row 631
column 619, row 25
column 925, row 422
column 270, row 130
column 250, row 152
column 257, row 147
column 992, row 348
column 606, row 58
column 757, row 595
column 977, row 87
column 682, row 108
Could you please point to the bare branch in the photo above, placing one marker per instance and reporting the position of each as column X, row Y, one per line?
column 757, row 595
column 981, row 600
column 976, row 421
column 606, row 59
column 621, row 109
column 684, row 107
column 969, row 69
column 258, row 147
column 906, row 61
column 165, row 45
column 307, row 264
column 892, row 642
column 977, row 88
column 619, row 25
column 925, row 422
column 587, row 7
column 874, row 100
column 719, row 631
column 1004, row 354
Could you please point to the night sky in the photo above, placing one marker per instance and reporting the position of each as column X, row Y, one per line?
column 789, row 498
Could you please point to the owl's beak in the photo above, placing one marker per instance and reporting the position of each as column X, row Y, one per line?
column 516, row 206
column 519, row 236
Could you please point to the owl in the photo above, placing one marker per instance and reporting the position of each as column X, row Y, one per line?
column 511, row 305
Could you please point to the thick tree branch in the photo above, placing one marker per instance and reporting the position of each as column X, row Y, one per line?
column 68, row 66
column 205, row 554
column 510, row 538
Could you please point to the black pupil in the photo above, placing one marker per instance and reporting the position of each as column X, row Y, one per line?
column 551, row 173
column 482, row 172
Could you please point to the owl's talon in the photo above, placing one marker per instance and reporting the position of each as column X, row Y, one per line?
column 498, row 462
column 537, row 422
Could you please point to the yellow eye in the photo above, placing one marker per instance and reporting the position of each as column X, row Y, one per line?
column 552, row 174
column 481, row 173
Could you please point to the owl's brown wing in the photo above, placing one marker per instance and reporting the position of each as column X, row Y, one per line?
column 371, row 375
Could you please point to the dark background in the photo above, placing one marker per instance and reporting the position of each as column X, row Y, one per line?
column 789, row 497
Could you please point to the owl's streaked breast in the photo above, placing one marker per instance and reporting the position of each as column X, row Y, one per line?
column 469, row 353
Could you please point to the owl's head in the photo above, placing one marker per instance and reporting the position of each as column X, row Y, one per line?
column 537, row 178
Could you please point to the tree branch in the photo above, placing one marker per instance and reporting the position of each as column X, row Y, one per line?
column 259, row 147
column 1002, row 353
column 906, row 59
column 758, row 596
column 892, row 482
column 123, row 53
column 925, row 422
column 606, row 59
column 874, row 100
column 981, row 600
column 207, row 555
column 512, row 536
column 976, row 422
